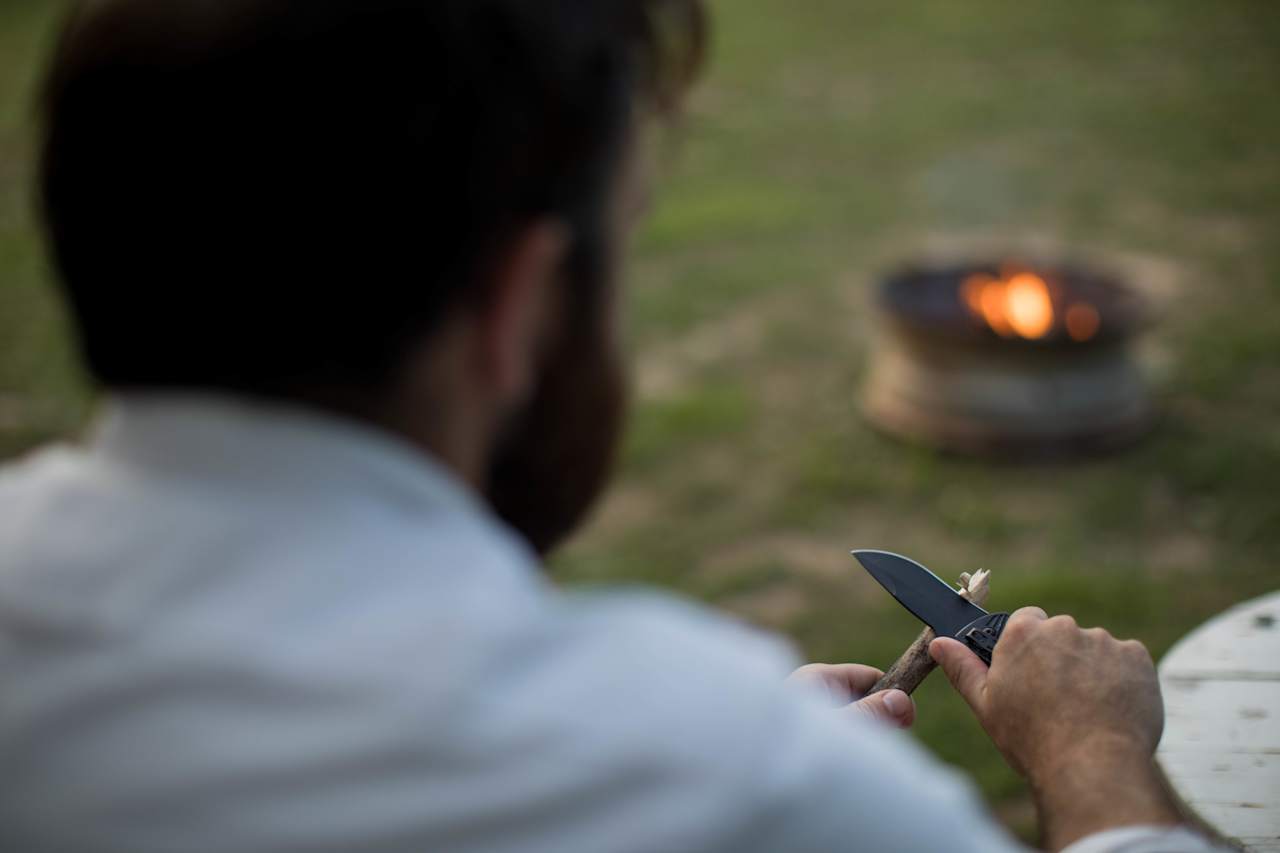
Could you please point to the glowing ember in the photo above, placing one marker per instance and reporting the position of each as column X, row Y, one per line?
column 992, row 300
column 1082, row 321
column 973, row 288
column 1021, row 304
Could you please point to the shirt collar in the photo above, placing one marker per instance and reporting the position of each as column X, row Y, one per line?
column 271, row 446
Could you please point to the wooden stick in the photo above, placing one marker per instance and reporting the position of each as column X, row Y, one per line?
column 909, row 670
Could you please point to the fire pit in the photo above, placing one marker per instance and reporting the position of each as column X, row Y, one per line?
column 1008, row 358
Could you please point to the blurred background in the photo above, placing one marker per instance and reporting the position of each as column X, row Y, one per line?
column 833, row 140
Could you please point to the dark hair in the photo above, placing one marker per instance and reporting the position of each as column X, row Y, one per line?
column 252, row 194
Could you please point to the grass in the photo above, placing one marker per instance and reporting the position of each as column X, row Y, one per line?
column 832, row 139
column 42, row 392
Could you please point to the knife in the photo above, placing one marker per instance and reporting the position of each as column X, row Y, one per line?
column 931, row 600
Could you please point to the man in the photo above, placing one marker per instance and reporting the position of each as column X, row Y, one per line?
column 348, row 271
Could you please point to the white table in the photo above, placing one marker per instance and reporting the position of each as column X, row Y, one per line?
column 1221, row 746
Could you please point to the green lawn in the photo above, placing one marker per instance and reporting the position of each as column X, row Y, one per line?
column 831, row 140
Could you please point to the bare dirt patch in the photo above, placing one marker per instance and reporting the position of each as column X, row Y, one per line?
column 774, row 607
column 824, row 559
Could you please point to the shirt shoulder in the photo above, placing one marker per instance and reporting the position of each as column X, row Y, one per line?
column 411, row 661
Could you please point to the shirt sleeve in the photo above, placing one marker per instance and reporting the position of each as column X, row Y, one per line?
column 1145, row 839
column 842, row 783
column 757, row 766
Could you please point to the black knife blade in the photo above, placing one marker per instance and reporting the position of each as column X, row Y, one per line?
column 931, row 600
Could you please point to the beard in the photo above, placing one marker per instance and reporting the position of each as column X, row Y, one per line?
column 557, row 453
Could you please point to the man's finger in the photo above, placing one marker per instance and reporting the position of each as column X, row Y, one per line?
column 857, row 676
column 1031, row 612
column 890, row 706
column 840, row 682
column 1021, row 622
column 964, row 669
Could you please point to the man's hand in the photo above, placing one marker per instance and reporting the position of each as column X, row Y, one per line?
column 1077, row 712
column 845, row 685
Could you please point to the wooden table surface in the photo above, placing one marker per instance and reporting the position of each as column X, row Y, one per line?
column 1221, row 746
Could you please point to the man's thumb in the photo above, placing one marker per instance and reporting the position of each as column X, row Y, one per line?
column 965, row 670
column 891, row 706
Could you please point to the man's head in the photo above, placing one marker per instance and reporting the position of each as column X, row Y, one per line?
column 408, row 209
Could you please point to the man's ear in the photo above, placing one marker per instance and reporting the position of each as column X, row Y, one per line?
column 523, row 308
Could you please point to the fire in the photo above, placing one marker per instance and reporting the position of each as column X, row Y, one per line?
column 1082, row 321
column 1020, row 304
column 1028, row 305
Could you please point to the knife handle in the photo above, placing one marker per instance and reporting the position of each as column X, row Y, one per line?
column 983, row 633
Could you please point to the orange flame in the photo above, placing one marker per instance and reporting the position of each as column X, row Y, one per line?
column 1028, row 306
column 1021, row 304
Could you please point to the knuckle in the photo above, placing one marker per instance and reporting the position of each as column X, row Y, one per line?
column 1023, row 621
column 1015, row 632
column 1015, row 624
column 1137, row 648
column 1063, row 622
column 809, row 672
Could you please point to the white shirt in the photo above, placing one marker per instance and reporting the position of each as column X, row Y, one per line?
column 231, row 627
